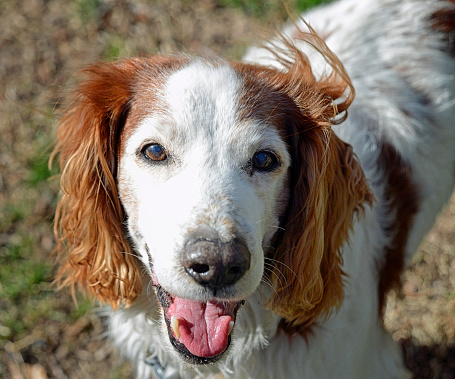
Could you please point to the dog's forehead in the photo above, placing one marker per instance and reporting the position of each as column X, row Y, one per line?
column 203, row 101
column 202, row 90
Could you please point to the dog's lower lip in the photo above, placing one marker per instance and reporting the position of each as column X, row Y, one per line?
column 192, row 351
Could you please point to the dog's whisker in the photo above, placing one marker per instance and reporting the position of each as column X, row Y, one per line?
column 268, row 283
column 151, row 292
column 276, row 263
column 281, row 277
column 274, row 273
column 131, row 254
column 145, row 271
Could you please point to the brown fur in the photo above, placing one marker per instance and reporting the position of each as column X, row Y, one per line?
column 327, row 185
column 93, row 252
column 443, row 21
column 326, row 191
column 403, row 202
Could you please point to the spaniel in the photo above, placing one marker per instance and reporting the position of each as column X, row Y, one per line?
column 238, row 221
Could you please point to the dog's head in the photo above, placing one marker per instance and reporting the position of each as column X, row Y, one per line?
column 214, row 176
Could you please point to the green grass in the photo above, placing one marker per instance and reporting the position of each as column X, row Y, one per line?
column 23, row 277
column 12, row 213
column 20, row 270
column 115, row 48
column 27, row 292
column 87, row 9
column 263, row 9
column 257, row 8
column 20, row 282
column 39, row 171
column 303, row 5
column 82, row 307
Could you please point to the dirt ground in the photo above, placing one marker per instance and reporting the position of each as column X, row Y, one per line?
column 43, row 43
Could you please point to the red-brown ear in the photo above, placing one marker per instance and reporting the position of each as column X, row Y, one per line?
column 327, row 188
column 92, row 250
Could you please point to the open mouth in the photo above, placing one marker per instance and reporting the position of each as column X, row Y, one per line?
column 199, row 331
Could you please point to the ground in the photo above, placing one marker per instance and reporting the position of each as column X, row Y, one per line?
column 43, row 43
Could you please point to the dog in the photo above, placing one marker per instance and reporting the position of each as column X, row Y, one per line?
column 247, row 219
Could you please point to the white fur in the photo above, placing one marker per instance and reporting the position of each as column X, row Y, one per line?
column 201, row 187
column 392, row 58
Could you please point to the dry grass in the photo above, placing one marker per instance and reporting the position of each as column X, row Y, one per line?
column 43, row 43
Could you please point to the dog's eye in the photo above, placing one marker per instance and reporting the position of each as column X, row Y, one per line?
column 264, row 161
column 154, row 152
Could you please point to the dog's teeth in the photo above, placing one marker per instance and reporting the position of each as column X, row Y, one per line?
column 175, row 326
column 231, row 326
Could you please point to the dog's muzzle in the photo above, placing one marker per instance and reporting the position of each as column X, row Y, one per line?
column 201, row 330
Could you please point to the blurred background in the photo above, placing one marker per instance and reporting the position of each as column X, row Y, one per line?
column 43, row 43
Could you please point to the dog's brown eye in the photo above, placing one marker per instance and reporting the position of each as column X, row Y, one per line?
column 264, row 161
column 154, row 152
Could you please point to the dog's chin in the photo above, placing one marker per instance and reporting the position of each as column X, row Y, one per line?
column 199, row 331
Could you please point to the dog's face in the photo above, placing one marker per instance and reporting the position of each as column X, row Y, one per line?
column 218, row 177
column 203, row 183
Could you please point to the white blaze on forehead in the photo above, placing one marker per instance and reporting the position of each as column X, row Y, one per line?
column 203, row 93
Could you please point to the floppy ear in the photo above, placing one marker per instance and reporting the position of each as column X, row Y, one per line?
column 327, row 187
column 92, row 250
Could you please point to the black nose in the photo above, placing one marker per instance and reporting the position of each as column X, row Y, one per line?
column 216, row 264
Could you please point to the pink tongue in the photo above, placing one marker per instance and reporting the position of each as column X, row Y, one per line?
column 203, row 327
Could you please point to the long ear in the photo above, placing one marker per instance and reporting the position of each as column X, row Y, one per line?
column 92, row 250
column 327, row 188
